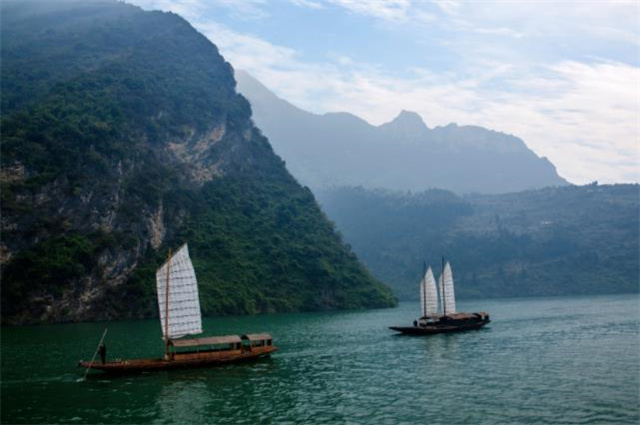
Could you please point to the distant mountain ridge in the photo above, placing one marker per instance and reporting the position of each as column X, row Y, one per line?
column 341, row 149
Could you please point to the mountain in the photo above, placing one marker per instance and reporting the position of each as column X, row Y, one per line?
column 122, row 137
column 572, row 240
column 340, row 149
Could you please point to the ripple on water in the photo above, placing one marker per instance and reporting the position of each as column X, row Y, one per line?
column 556, row 361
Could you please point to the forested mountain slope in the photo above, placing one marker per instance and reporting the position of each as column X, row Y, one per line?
column 554, row 241
column 123, row 136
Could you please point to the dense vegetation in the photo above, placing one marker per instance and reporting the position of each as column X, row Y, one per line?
column 554, row 241
column 123, row 136
column 257, row 247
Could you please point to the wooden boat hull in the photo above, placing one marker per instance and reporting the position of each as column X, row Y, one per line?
column 202, row 359
column 438, row 328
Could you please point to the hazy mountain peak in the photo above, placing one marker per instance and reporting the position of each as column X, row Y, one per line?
column 336, row 149
column 407, row 125
column 409, row 118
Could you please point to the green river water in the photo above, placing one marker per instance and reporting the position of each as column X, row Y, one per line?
column 570, row 360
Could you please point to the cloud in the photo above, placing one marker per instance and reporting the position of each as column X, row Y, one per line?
column 197, row 10
column 558, row 21
column 308, row 3
column 244, row 9
column 389, row 10
column 249, row 52
column 508, row 32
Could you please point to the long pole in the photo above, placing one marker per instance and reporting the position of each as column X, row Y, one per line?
column 94, row 354
column 444, row 296
column 166, row 309
column 424, row 288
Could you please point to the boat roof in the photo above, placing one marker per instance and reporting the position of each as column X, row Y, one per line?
column 461, row 315
column 256, row 337
column 458, row 316
column 227, row 339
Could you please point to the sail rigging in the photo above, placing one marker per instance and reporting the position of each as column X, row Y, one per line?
column 447, row 292
column 428, row 295
column 178, row 295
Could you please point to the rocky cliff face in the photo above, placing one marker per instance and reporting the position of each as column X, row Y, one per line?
column 122, row 136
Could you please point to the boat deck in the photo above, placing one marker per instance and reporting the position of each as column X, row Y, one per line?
column 432, row 330
column 454, row 323
column 181, row 360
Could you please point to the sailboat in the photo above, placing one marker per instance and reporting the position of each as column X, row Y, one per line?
column 439, row 314
column 180, row 316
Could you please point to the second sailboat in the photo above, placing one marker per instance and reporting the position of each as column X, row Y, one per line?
column 438, row 313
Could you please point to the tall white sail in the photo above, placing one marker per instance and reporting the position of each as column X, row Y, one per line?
column 431, row 294
column 423, row 295
column 446, row 291
column 182, row 297
column 428, row 295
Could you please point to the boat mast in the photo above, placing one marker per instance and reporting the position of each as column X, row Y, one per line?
column 424, row 288
column 444, row 297
column 166, row 308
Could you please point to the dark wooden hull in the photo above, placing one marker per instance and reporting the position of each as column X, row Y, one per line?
column 203, row 359
column 438, row 328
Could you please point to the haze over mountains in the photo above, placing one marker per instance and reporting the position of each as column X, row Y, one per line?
column 554, row 241
column 505, row 240
column 340, row 149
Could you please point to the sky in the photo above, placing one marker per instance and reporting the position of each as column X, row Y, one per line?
column 564, row 76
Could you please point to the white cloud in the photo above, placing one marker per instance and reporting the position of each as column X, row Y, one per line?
column 508, row 32
column 390, row 10
column 244, row 9
column 308, row 3
column 246, row 51
column 450, row 7
column 194, row 10
column 616, row 21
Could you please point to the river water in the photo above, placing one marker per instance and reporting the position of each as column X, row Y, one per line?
column 569, row 360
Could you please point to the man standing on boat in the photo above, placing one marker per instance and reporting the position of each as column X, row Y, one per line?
column 103, row 353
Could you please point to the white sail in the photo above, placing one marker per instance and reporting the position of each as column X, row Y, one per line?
column 431, row 294
column 182, row 297
column 446, row 291
column 423, row 295
column 428, row 295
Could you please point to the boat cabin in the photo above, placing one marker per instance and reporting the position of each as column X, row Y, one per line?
column 453, row 318
column 253, row 341
column 462, row 318
column 195, row 347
